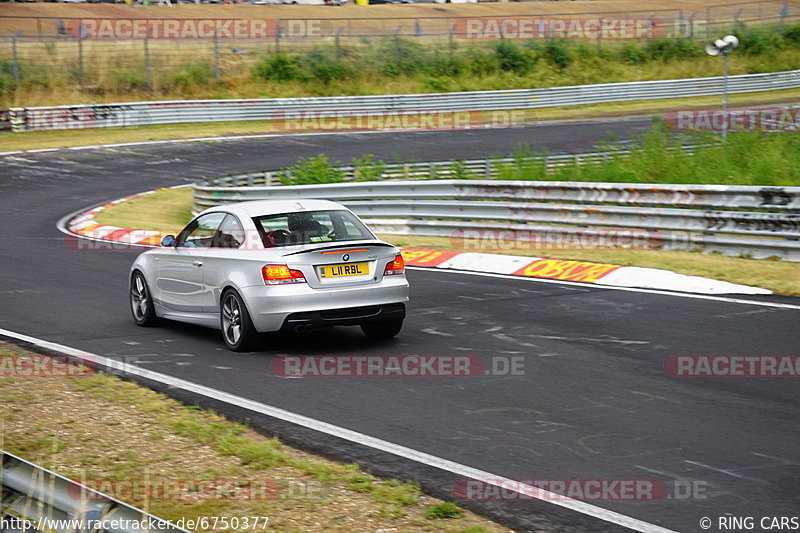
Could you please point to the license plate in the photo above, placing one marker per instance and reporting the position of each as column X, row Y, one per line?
column 345, row 269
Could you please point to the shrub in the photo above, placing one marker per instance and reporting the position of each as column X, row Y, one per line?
column 277, row 68
column 558, row 54
column 630, row 53
column 512, row 58
column 193, row 73
column 367, row 168
column 792, row 34
column 313, row 170
column 128, row 78
column 325, row 68
column 669, row 49
column 756, row 42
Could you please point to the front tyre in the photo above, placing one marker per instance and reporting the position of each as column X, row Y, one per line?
column 382, row 330
column 142, row 307
column 237, row 328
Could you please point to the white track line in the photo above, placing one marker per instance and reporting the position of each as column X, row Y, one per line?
column 310, row 134
column 613, row 288
column 348, row 435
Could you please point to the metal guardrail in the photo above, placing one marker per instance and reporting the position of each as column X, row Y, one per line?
column 45, row 501
column 284, row 109
column 747, row 221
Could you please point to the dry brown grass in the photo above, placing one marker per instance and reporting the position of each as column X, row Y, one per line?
column 368, row 14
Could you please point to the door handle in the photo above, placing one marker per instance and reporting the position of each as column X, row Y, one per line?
column 197, row 263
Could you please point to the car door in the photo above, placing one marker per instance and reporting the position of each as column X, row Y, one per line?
column 179, row 271
column 218, row 261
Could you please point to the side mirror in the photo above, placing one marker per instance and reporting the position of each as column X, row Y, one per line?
column 169, row 241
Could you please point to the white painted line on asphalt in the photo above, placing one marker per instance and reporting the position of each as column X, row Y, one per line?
column 613, row 288
column 350, row 435
column 315, row 134
column 212, row 139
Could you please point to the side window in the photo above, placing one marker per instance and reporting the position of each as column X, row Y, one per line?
column 200, row 233
column 230, row 234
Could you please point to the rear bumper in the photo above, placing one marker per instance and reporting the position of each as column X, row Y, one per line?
column 350, row 316
column 273, row 308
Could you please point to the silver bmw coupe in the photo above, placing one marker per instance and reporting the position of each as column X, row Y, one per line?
column 272, row 265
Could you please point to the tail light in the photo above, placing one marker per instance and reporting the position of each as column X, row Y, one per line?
column 395, row 267
column 280, row 274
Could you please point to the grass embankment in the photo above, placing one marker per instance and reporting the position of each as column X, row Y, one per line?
column 747, row 159
column 116, row 434
column 658, row 156
column 376, row 66
column 34, row 140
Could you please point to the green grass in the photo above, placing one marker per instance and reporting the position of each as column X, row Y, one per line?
column 780, row 277
column 67, row 138
column 381, row 66
column 167, row 210
column 658, row 157
column 444, row 510
column 73, row 426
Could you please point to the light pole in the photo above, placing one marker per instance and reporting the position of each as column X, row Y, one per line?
column 723, row 47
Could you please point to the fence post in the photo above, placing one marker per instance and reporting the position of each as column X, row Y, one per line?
column 397, row 46
column 278, row 38
column 148, row 78
column 450, row 43
column 217, row 74
column 16, row 60
column 600, row 37
column 338, row 46
column 80, row 57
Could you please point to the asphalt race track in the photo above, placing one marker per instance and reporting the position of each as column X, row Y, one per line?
column 594, row 401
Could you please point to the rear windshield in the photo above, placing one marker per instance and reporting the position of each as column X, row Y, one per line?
column 310, row 227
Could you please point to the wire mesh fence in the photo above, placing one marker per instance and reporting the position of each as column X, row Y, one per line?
column 122, row 54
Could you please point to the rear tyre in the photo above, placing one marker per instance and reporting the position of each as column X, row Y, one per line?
column 142, row 307
column 238, row 331
column 382, row 330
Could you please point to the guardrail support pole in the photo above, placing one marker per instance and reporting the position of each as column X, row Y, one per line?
column 725, row 97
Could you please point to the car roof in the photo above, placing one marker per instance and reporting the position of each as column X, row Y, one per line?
column 258, row 208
